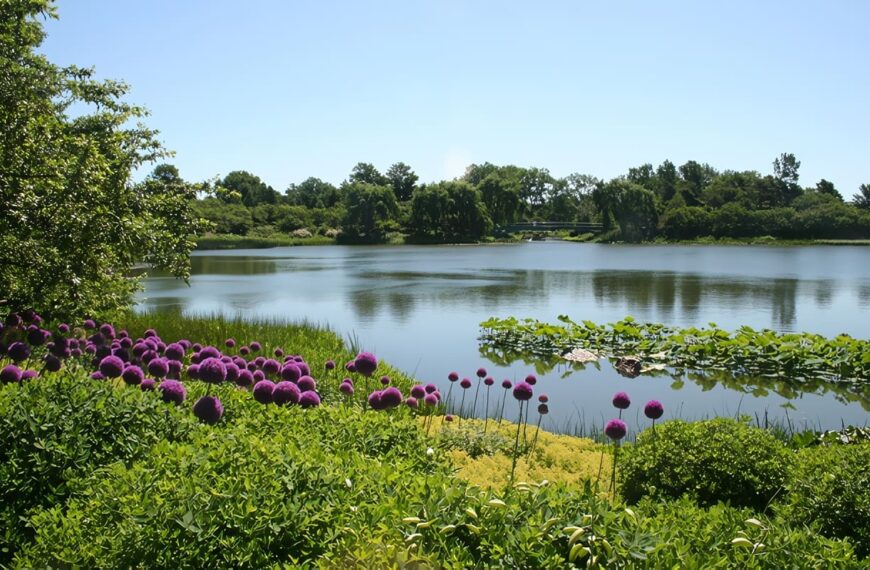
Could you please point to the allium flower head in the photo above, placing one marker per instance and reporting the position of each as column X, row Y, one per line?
column 411, row 402
column 523, row 391
column 350, row 366
column 244, row 379
column 10, row 374
column 346, row 388
column 375, row 400
column 291, row 372
column 256, row 346
column 89, row 324
column 543, row 398
column 418, row 391
column 260, row 361
column 286, row 393
column 531, row 379
column 448, row 418
column 36, row 336
column 259, row 375
column 621, row 400
column 365, row 363
column 330, row 365
column 133, row 375
column 653, row 409
column 173, row 351
column 111, row 366
column 453, row 376
column 212, row 370
column 159, row 368
column 306, row 383
column 232, row 371
column 615, row 429
column 488, row 381
column 63, row 328
column 148, row 385
column 271, row 367
column 208, row 410
column 13, row 320
column 29, row 375
column 385, row 380
column 107, row 330
column 230, row 343
column 481, row 372
column 18, row 351
column 431, row 388
column 97, row 375
column 309, row 399
column 263, row 391
column 430, row 400
column 173, row 391
column 466, row 383
column 193, row 371
column 244, row 351
column 506, row 384
column 543, row 409
column 209, row 352
column 150, row 333
column 391, row 397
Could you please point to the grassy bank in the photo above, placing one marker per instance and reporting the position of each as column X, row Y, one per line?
column 230, row 241
column 110, row 475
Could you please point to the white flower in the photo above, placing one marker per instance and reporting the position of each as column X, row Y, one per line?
column 430, row 452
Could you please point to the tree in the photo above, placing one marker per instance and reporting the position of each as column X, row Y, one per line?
column 313, row 193
column 694, row 177
column 666, row 175
column 369, row 212
column 862, row 199
column 226, row 218
column 366, row 173
column 402, row 180
column 785, row 168
column 72, row 223
column 826, row 187
column 501, row 197
column 252, row 190
column 450, row 210
column 631, row 205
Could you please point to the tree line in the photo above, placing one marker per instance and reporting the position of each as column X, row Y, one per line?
column 648, row 202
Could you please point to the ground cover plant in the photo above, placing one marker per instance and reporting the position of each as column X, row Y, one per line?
column 106, row 473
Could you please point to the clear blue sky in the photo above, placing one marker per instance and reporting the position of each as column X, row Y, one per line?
column 289, row 90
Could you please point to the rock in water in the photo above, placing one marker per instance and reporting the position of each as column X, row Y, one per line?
column 628, row 366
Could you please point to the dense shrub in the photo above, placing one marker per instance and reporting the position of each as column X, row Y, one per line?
column 830, row 487
column 55, row 430
column 686, row 223
column 711, row 461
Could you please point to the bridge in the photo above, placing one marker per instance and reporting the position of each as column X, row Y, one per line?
column 579, row 227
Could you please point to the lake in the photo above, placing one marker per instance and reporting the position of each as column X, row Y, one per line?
column 419, row 308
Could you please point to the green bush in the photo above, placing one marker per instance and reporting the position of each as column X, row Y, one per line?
column 710, row 461
column 62, row 427
column 830, row 487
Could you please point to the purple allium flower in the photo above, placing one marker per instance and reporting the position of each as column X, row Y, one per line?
column 418, row 391
column 107, row 330
column 430, row 400
column 226, row 359
column 350, row 366
column 543, row 398
column 244, row 379
column 149, row 332
column 621, row 400
column 453, row 376
column 615, row 429
column 9, row 374
column 126, row 342
column 173, row 391
column 260, row 361
column 523, row 391
column 375, row 400
column 212, row 370
column 481, row 372
column 391, row 397
column 259, row 375
column 437, row 394
column 29, row 315
column 29, row 375
column 244, row 351
column 133, row 375
column 209, row 352
column 431, row 388
column 256, row 346
column 653, row 409
column 208, row 410
column 232, row 372
column 330, row 365
column 76, row 352
column 411, row 402
column 298, row 359
column 159, row 368
column 306, row 383
column 139, row 349
column 531, row 379
column 263, row 391
column 488, row 381
column 365, row 363
column 148, row 385
column 89, row 324
column 303, row 368
column 90, row 349
column 251, row 366
column 290, row 372
column 278, row 352
column 346, row 388
column 506, row 384
column 385, row 380
column 271, row 367
column 193, row 371
column 230, row 343
column 466, row 383
column 18, row 351
column 240, row 362
column 63, row 328
column 173, row 351
column 543, row 409
column 148, row 355
column 285, row 393
column 448, row 418
column 111, row 366
column 309, row 399
column 174, row 369
column 13, row 320
column 97, row 375
column 35, row 336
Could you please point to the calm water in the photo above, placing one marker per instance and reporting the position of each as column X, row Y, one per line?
column 419, row 308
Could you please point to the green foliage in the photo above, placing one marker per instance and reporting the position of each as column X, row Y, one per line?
column 250, row 188
column 862, row 198
column 501, row 196
column 449, row 211
column 72, row 224
column 402, row 180
column 62, row 427
column 830, row 488
column 366, row 173
column 632, row 205
column 313, row 193
column 710, row 461
column 686, row 223
column 370, row 212
column 226, row 218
